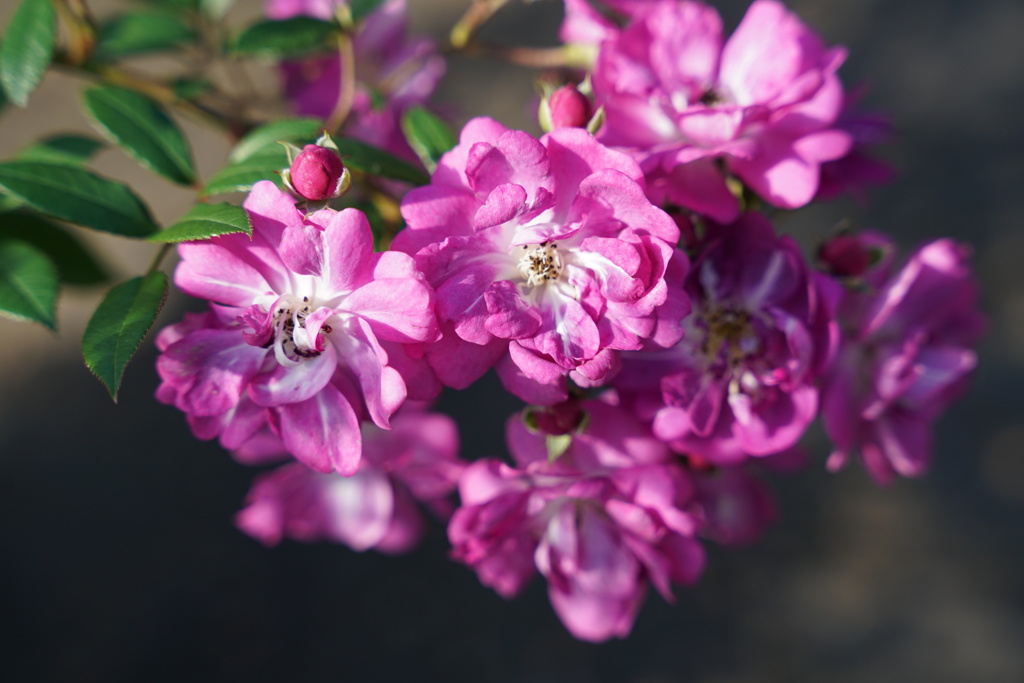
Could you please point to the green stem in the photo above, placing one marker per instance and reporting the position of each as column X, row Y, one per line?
column 113, row 75
column 475, row 16
column 347, row 94
column 569, row 56
column 161, row 254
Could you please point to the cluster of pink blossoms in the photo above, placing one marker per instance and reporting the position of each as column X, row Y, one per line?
column 670, row 342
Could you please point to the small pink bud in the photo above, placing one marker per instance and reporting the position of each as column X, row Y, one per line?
column 845, row 256
column 570, row 108
column 315, row 173
column 563, row 418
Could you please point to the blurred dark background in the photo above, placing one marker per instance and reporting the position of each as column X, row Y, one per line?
column 119, row 560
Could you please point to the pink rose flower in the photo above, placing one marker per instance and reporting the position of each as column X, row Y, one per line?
column 765, row 102
column 906, row 354
column 546, row 257
column 608, row 516
column 375, row 507
column 743, row 379
column 307, row 314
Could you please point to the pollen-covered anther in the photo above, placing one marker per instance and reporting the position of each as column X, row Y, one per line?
column 291, row 322
column 540, row 264
column 732, row 330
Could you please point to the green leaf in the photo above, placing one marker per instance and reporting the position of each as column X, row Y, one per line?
column 240, row 177
column 142, row 32
column 75, row 264
column 429, row 136
column 76, row 195
column 288, row 38
column 268, row 135
column 142, row 129
column 119, row 325
column 374, row 161
column 28, row 283
column 361, row 8
column 27, row 49
column 206, row 220
column 62, row 149
column 8, row 203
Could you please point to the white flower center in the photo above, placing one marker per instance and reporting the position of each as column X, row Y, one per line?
column 292, row 342
column 540, row 264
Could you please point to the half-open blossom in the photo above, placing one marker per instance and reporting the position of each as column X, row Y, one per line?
column 906, row 354
column 392, row 71
column 743, row 379
column 375, row 507
column 545, row 255
column 607, row 517
column 300, row 336
column 764, row 102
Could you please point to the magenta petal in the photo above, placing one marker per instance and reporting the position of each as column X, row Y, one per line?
column 700, row 186
column 358, row 509
column 348, row 245
column 517, row 158
column 271, row 211
column 686, row 45
column 302, row 249
column 776, row 423
column 451, row 167
column 540, row 382
column 905, row 442
column 780, row 176
column 459, row 363
column 382, row 387
column 432, row 213
column 242, row 423
column 767, row 50
column 322, row 432
column 296, row 383
column 211, row 271
column 509, row 317
column 398, row 309
column 210, row 369
column 503, row 203
column 460, row 299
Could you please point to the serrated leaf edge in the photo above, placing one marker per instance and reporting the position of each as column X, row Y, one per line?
column 120, row 375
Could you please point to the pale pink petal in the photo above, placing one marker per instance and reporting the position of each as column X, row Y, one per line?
column 322, row 432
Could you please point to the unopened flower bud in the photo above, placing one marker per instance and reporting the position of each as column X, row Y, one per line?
column 317, row 174
column 567, row 107
column 846, row 256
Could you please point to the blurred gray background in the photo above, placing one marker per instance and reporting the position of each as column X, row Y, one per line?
column 119, row 560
